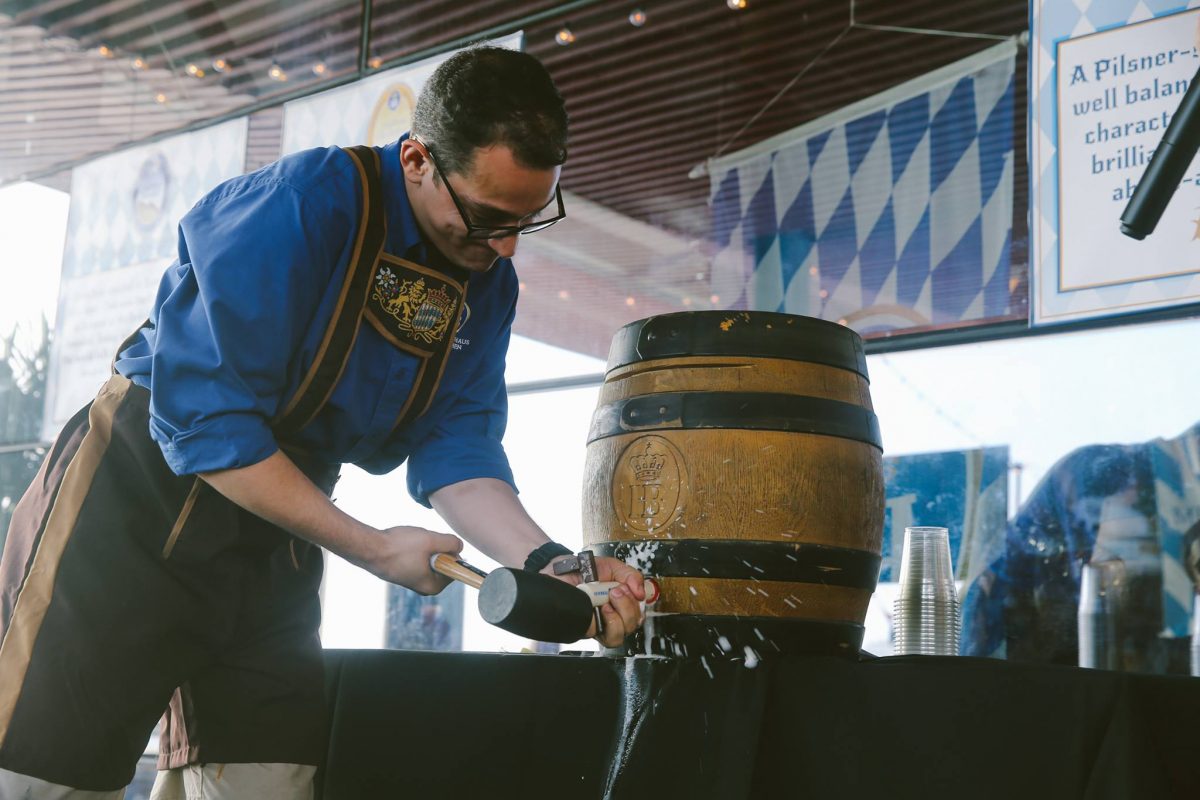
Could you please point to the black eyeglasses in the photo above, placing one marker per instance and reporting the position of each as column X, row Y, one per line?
column 496, row 231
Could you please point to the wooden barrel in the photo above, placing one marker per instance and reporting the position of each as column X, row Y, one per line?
column 736, row 458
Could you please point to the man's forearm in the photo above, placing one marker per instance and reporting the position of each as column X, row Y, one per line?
column 276, row 490
column 487, row 513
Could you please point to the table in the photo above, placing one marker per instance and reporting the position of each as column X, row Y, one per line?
column 449, row 725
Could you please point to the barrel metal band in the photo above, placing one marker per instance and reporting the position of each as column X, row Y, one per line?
column 748, row 560
column 748, row 410
column 756, row 334
column 704, row 634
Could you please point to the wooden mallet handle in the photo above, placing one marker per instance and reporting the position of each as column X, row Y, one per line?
column 454, row 567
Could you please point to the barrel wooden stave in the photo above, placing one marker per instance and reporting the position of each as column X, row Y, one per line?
column 761, row 598
column 744, row 484
column 735, row 374
column 663, row 479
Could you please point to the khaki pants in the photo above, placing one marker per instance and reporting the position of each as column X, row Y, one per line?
column 208, row 782
column 235, row 782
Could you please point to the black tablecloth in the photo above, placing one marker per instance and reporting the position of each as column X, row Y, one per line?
column 449, row 725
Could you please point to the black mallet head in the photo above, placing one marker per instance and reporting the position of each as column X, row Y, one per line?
column 535, row 606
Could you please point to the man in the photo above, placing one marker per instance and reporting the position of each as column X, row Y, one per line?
column 311, row 320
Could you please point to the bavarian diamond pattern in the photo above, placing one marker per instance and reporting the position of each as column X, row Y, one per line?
column 1176, row 464
column 898, row 217
column 125, row 207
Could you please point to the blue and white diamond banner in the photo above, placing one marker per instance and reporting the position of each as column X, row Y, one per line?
column 1176, row 468
column 1106, row 77
column 122, row 231
column 125, row 207
column 894, row 212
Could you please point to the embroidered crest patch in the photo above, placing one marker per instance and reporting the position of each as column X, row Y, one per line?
column 413, row 306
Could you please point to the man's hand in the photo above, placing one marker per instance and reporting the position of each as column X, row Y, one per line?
column 622, row 613
column 401, row 555
column 488, row 514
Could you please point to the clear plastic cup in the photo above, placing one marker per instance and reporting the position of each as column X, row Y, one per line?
column 1098, row 645
column 1196, row 635
column 926, row 615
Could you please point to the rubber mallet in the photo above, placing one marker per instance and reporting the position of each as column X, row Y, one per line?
column 528, row 604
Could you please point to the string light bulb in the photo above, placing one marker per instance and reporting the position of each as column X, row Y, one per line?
column 160, row 98
column 564, row 36
column 276, row 72
column 629, row 301
column 220, row 65
column 737, row 5
column 637, row 18
column 137, row 62
column 319, row 68
column 194, row 71
column 105, row 51
column 375, row 63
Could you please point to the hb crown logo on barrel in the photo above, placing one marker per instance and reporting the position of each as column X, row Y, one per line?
column 649, row 484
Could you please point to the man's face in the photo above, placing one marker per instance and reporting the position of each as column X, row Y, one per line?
column 494, row 190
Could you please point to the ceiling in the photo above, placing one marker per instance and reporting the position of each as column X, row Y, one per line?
column 648, row 103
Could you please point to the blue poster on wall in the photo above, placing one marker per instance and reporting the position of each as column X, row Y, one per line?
column 420, row 622
column 964, row 491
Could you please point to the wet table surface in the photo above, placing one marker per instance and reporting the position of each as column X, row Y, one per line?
column 450, row 725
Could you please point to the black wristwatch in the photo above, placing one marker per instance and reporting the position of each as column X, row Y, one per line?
column 541, row 556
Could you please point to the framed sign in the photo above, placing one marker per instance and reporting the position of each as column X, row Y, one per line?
column 1107, row 77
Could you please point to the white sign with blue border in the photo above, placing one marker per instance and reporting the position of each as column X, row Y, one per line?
column 1106, row 78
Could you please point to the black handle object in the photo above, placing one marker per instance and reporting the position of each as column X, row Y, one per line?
column 1171, row 159
column 535, row 606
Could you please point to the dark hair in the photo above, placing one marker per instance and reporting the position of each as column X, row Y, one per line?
column 485, row 96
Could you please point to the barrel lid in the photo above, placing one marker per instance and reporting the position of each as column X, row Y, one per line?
column 760, row 334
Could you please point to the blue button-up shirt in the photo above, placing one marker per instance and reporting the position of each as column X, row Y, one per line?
column 241, row 313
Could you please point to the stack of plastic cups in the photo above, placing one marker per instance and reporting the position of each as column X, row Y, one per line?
column 926, row 612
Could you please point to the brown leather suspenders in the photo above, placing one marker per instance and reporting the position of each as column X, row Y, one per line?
column 331, row 357
column 413, row 307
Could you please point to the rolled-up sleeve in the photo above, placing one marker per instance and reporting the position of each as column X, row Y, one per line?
column 255, row 259
column 466, row 442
